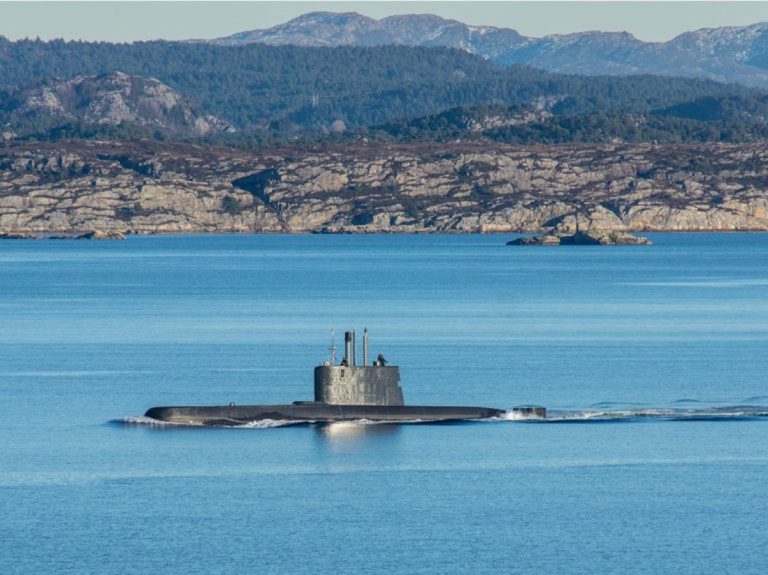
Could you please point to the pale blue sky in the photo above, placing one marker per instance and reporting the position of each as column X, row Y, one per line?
column 128, row 21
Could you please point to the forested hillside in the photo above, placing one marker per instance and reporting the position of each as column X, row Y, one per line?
column 725, row 118
column 287, row 90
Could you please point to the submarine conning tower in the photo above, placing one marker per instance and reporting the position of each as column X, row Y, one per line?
column 351, row 384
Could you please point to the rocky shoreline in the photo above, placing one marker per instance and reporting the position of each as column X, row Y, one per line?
column 92, row 235
column 81, row 187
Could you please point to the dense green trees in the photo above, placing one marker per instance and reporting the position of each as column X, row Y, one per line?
column 277, row 93
column 727, row 118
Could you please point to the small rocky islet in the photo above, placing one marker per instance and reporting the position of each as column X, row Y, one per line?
column 90, row 235
column 582, row 238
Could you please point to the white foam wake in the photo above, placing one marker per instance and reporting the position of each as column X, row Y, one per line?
column 142, row 420
column 515, row 415
column 265, row 423
column 735, row 412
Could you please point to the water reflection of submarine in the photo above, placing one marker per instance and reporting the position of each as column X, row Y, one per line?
column 343, row 392
column 353, row 431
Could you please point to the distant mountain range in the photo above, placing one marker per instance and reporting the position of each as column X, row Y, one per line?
column 729, row 54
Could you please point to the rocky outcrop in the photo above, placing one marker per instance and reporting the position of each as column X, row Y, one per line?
column 579, row 238
column 101, row 235
column 113, row 99
column 149, row 188
column 94, row 235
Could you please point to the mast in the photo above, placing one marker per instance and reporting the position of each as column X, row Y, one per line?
column 348, row 347
column 332, row 349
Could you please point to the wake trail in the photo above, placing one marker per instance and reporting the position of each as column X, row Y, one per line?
column 724, row 413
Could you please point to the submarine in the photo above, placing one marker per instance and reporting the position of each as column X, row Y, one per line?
column 344, row 391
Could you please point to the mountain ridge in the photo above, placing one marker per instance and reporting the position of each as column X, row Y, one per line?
column 729, row 53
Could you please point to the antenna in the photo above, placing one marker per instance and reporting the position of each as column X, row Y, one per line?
column 332, row 349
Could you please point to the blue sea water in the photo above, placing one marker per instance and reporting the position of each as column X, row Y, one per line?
column 652, row 361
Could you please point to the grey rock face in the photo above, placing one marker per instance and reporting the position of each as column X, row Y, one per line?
column 151, row 188
column 115, row 98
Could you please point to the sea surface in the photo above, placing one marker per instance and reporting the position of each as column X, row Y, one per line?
column 651, row 360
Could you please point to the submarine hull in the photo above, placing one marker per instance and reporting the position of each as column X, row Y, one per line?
column 311, row 411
